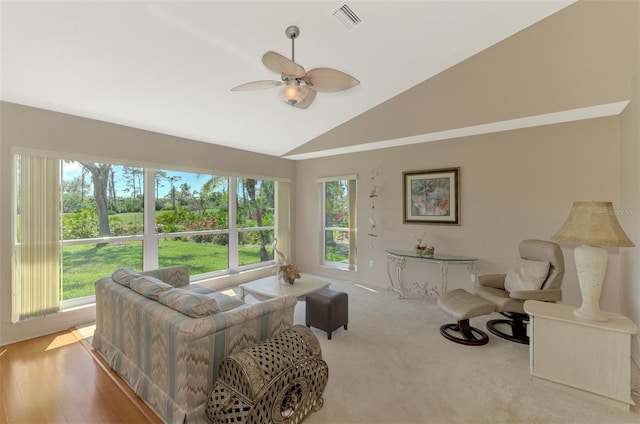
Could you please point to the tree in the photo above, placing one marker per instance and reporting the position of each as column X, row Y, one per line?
column 172, row 181
column 133, row 180
column 73, row 194
column 250, row 185
column 207, row 191
column 160, row 177
column 185, row 196
column 100, row 174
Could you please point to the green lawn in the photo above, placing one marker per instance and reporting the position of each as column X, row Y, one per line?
column 83, row 265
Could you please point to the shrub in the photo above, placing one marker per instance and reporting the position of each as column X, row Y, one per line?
column 79, row 225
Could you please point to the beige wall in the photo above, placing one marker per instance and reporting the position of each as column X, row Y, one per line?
column 514, row 185
column 28, row 128
column 630, row 193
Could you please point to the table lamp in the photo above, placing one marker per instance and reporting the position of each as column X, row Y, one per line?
column 592, row 225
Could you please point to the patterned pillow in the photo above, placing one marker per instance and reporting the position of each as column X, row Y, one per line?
column 124, row 276
column 195, row 305
column 527, row 275
column 226, row 302
column 149, row 287
column 177, row 275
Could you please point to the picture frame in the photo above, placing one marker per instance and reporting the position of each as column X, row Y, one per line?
column 431, row 196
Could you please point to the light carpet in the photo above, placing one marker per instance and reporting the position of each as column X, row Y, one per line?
column 393, row 366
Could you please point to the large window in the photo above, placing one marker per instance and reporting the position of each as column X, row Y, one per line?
column 102, row 224
column 191, row 221
column 78, row 221
column 255, row 219
column 339, row 218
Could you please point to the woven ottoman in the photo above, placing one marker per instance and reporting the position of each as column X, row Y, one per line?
column 280, row 380
column 463, row 305
column 327, row 310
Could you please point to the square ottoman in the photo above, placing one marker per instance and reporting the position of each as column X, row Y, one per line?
column 327, row 310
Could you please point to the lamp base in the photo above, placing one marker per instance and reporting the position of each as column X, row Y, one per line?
column 586, row 313
column 591, row 265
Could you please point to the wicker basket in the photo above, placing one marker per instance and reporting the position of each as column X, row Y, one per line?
column 280, row 380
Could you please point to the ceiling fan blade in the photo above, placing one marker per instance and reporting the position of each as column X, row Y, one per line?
column 281, row 65
column 307, row 100
column 257, row 85
column 329, row 80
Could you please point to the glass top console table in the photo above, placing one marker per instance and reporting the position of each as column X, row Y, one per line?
column 400, row 258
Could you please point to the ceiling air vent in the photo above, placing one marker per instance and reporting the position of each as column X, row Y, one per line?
column 347, row 16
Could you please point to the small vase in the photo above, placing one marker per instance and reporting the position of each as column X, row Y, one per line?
column 420, row 249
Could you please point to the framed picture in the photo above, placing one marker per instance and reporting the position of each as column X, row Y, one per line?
column 432, row 196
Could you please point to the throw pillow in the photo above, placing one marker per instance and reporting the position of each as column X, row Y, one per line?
column 526, row 275
column 149, row 287
column 226, row 302
column 195, row 305
column 124, row 276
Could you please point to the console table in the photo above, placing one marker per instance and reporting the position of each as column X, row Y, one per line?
column 586, row 357
column 400, row 258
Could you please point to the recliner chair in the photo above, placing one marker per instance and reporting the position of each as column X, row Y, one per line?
column 530, row 279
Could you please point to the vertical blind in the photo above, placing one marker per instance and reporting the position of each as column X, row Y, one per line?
column 36, row 263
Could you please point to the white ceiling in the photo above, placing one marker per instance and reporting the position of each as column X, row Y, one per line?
column 168, row 66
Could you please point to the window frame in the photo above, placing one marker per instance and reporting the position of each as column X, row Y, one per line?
column 149, row 238
column 351, row 264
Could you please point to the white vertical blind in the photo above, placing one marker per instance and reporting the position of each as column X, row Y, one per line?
column 36, row 273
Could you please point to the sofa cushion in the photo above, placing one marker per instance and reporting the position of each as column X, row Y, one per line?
column 177, row 275
column 195, row 305
column 149, row 287
column 526, row 275
column 124, row 276
column 226, row 302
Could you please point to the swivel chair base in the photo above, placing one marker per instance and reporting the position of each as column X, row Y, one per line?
column 467, row 332
column 518, row 328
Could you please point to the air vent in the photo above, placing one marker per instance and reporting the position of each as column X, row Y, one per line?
column 347, row 16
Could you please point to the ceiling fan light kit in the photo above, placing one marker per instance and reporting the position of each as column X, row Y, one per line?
column 293, row 92
column 300, row 87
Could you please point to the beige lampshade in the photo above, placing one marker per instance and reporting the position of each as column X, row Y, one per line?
column 593, row 224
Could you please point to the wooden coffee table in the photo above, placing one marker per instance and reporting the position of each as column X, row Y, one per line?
column 270, row 287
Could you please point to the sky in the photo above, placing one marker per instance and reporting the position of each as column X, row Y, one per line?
column 71, row 170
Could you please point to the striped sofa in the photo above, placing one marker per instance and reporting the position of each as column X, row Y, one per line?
column 166, row 338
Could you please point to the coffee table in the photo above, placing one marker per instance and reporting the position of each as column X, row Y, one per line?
column 270, row 287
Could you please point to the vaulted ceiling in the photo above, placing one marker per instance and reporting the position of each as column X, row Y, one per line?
column 169, row 67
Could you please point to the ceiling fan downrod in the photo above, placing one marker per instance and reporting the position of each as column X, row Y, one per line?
column 292, row 32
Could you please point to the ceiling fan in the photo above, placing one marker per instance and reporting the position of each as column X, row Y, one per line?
column 300, row 87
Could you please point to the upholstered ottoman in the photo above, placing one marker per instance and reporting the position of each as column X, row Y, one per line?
column 463, row 305
column 327, row 310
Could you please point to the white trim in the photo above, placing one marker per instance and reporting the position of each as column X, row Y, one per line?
column 150, row 242
column 338, row 178
column 26, row 151
column 571, row 115
column 351, row 231
column 232, row 209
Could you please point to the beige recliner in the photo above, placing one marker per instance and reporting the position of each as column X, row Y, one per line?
column 536, row 275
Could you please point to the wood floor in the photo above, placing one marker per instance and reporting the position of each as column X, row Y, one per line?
column 57, row 379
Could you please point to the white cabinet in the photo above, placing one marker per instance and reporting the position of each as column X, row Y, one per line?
column 594, row 358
